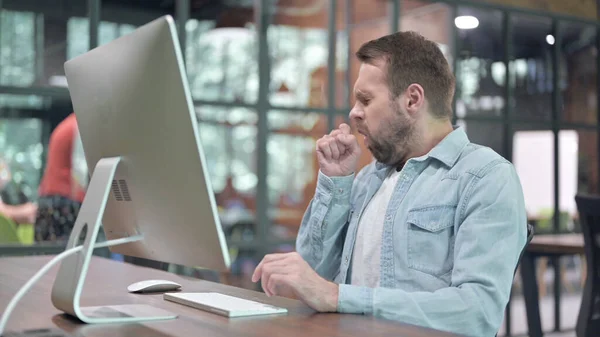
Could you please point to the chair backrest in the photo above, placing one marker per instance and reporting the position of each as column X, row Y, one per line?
column 8, row 231
column 588, row 322
column 530, row 232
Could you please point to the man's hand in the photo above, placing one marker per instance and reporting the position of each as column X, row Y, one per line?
column 290, row 276
column 338, row 152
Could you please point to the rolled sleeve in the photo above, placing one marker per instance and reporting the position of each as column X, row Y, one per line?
column 335, row 188
column 355, row 300
column 321, row 234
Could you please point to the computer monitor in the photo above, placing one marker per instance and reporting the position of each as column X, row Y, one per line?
column 140, row 136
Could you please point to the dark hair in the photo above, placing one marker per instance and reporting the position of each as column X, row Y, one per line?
column 411, row 58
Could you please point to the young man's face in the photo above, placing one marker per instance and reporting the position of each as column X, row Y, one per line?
column 388, row 129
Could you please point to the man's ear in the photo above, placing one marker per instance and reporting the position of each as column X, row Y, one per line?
column 414, row 98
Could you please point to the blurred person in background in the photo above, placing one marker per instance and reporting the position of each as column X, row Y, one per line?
column 21, row 214
column 63, row 185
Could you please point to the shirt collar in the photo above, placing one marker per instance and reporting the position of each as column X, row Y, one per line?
column 449, row 149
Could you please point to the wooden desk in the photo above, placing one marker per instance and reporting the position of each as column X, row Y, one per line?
column 107, row 282
column 545, row 245
column 561, row 244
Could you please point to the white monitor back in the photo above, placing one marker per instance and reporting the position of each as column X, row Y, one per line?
column 132, row 100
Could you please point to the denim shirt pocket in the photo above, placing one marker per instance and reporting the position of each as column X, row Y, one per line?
column 431, row 239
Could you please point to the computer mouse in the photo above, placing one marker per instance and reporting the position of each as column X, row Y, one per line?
column 153, row 286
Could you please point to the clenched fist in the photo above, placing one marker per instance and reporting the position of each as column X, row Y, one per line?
column 338, row 152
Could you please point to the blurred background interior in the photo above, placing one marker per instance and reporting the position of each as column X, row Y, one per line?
column 270, row 77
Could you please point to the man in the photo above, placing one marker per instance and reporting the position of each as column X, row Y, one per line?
column 428, row 234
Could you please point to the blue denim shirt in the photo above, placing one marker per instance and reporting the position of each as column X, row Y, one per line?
column 453, row 232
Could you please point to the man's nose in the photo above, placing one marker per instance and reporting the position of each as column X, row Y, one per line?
column 356, row 114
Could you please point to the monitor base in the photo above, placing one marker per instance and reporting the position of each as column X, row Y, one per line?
column 68, row 285
column 126, row 312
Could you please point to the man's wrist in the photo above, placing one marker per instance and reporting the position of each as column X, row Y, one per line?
column 331, row 298
column 337, row 174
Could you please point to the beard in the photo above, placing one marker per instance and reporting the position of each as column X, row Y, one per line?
column 394, row 139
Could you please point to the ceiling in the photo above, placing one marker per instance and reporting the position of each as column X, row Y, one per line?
column 529, row 32
column 528, row 35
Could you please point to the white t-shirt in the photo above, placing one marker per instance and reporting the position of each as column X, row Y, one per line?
column 367, row 248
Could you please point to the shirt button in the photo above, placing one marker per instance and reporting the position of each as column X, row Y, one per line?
column 346, row 260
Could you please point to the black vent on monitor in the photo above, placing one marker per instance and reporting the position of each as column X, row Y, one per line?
column 124, row 190
column 117, row 191
column 121, row 190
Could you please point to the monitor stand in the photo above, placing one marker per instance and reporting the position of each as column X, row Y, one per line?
column 68, row 285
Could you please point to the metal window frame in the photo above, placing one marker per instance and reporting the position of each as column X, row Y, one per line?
column 94, row 9
column 331, row 64
column 263, row 224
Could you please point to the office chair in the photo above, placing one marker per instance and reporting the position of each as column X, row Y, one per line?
column 11, row 232
column 530, row 233
column 8, row 231
column 588, row 321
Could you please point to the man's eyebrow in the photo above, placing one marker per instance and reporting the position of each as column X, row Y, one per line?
column 362, row 96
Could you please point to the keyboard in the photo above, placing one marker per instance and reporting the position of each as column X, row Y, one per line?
column 224, row 305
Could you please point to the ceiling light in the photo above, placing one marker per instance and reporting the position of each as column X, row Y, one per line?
column 550, row 39
column 466, row 22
